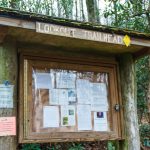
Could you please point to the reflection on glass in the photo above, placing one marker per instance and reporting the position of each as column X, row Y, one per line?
column 69, row 100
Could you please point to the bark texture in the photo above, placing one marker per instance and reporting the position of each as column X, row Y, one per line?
column 128, row 87
column 90, row 10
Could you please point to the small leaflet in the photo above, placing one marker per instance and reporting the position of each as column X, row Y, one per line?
column 59, row 97
column 50, row 116
column 84, row 117
column 54, row 97
column 7, row 126
column 65, row 80
column 72, row 95
column 62, row 96
column 99, row 100
column 100, row 121
column 43, row 81
column 83, row 91
column 6, row 96
column 68, row 115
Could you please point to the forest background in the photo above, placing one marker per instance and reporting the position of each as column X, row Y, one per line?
column 125, row 14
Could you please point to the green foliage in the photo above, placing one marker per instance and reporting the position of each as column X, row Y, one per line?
column 145, row 132
column 110, row 146
column 31, row 147
column 142, row 80
column 67, row 6
column 130, row 15
column 76, row 147
column 70, row 146
column 124, row 15
column 40, row 147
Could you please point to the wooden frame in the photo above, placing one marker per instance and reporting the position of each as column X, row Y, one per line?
column 27, row 61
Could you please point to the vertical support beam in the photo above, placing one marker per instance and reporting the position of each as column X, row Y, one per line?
column 128, row 88
column 8, row 71
column 148, row 95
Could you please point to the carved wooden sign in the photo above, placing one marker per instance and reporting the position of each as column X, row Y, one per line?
column 59, row 30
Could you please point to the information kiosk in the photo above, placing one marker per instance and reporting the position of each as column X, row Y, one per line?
column 67, row 81
column 69, row 98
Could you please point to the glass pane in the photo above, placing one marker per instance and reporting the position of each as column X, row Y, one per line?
column 69, row 101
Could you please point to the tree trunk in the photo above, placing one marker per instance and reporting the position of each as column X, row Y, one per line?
column 59, row 8
column 128, row 87
column 148, row 16
column 8, row 71
column 91, row 10
column 116, row 15
column 82, row 10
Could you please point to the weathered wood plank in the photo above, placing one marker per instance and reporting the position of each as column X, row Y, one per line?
column 52, row 29
column 143, row 52
column 17, row 23
column 3, row 33
column 14, row 22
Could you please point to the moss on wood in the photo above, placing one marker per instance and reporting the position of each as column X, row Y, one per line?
column 8, row 71
column 6, row 12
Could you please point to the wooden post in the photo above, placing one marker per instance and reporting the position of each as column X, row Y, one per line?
column 8, row 71
column 148, row 93
column 148, row 96
column 128, row 87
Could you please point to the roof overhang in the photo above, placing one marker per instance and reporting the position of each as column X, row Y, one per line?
column 28, row 31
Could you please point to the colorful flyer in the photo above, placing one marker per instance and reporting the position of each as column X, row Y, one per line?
column 68, row 115
column 7, row 126
column 72, row 95
column 100, row 121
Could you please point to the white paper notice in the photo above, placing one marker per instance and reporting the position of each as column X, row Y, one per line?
column 43, row 81
column 68, row 115
column 65, row 80
column 83, row 91
column 100, row 87
column 99, row 100
column 84, row 117
column 100, row 121
column 54, row 97
column 63, row 97
column 50, row 116
column 59, row 97
column 6, row 96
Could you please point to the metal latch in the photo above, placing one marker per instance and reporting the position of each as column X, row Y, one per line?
column 117, row 107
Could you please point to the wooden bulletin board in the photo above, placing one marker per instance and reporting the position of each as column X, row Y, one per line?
column 64, row 99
